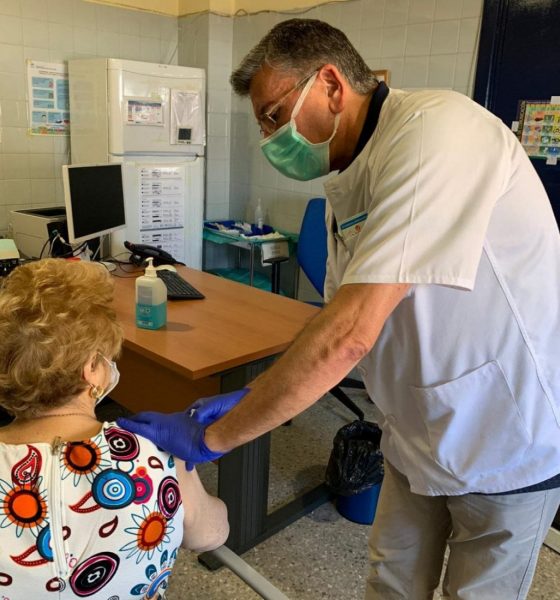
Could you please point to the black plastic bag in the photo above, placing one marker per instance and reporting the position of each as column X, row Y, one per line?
column 356, row 462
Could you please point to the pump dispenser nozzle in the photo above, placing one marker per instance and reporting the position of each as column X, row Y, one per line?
column 150, row 270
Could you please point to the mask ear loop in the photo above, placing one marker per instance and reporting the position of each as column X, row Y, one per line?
column 302, row 97
column 335, row 129
column 299, row 104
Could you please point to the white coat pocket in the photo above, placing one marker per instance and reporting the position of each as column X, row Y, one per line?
column 473, row 423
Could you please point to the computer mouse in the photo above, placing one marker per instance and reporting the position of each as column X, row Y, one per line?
column 166, row 268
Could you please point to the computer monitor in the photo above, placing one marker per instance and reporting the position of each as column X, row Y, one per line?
column 94, row 200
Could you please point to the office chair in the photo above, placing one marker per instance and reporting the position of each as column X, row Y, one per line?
column 312, row 258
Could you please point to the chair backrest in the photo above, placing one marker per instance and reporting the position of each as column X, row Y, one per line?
column 312, row 243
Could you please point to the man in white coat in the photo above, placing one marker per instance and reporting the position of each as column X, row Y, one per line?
column 443, row 286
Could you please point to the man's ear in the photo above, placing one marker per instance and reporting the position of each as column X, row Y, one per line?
column 336, row 87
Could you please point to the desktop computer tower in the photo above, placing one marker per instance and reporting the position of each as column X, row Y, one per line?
column 31, row 229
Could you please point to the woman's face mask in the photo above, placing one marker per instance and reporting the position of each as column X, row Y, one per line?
column 113, row 379
column 292, row 154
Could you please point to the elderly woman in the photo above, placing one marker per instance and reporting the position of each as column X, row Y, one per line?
column 85, row 507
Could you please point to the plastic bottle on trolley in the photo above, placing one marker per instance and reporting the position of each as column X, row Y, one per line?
column 259, row 218
column 151, row 299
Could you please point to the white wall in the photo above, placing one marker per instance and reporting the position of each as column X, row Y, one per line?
column 206, row 41
column 55, row 30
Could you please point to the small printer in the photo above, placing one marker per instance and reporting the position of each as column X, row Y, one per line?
column 9, row 257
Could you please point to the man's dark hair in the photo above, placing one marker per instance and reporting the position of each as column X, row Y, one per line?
column 302, row 46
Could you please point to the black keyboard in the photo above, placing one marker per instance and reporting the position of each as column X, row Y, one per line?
column 177, row 287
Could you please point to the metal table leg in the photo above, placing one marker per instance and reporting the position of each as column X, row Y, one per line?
column 243, row 485
column 275, row 278
column 251, row 264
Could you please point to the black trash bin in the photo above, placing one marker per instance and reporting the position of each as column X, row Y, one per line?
column 355, row 470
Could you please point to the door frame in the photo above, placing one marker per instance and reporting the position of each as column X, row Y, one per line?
column 494, row 17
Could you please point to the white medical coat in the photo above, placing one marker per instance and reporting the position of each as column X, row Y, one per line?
column 466, row 370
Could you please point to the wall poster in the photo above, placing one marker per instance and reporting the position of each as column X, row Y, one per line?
column 539, row 129
column 49, row 105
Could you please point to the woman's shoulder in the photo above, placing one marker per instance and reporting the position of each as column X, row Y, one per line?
column 129, row 450
column 124, row 469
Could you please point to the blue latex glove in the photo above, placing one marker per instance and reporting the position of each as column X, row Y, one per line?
column 208, row 410
column 182, row 433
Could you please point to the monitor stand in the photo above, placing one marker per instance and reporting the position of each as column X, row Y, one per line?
column 60, row 250
column 94, row 248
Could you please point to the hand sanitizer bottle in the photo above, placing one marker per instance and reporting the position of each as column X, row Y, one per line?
column 151, row 299
column 259, row 220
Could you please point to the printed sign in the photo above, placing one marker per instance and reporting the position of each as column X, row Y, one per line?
column 144, row 112
column 49, row 105
column 539, row 129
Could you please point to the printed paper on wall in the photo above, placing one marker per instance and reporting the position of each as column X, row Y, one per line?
column 49, row 105
column 539, row 129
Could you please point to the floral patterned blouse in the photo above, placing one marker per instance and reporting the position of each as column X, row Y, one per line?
column 99, row 519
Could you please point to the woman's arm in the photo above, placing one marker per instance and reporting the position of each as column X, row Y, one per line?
column 205, row 523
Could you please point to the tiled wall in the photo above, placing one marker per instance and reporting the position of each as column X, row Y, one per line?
column 55, row 30
column 219, row 111
column 205, row 41
column 424, row 43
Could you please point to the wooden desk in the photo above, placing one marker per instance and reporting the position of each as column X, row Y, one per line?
column 208, row 347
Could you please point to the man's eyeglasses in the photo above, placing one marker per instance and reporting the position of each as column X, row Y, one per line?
column 268, row 120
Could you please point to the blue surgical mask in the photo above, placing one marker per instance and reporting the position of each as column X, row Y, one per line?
column 294, row 155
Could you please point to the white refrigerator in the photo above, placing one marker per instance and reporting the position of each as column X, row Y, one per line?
column 150, row 118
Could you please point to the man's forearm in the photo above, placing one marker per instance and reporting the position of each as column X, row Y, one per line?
column 327, row 349
column 313, row 364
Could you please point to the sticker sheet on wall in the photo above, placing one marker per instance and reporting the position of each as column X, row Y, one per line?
column 49, row 105
column 538, row 128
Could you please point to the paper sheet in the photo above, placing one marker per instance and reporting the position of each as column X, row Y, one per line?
column 49, row 104
column 144, row 111
column 162, row 208
column 170, row 240
column 162, row 193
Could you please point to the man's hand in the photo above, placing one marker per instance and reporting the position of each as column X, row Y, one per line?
column 177, row 433
column 182, row 433
column 208, row 410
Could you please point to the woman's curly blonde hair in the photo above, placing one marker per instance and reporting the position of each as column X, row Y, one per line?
column 54, row 314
